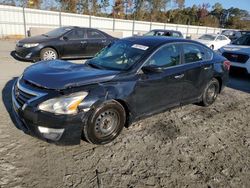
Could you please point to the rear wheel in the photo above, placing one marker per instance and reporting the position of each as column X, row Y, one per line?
column 105, row 123
column 48, row 54
column 211, row 92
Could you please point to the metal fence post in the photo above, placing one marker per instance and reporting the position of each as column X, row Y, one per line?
column 133, row 27
column 90, row 21
column 24, row 23
column 113, row 24
column 60, row 18
column 187, row 29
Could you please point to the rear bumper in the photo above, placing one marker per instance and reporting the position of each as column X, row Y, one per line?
column 29, row 119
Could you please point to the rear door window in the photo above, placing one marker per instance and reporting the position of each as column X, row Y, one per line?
column 177, row 35
column 195, row 53
column 94, row 34
column 76, row 34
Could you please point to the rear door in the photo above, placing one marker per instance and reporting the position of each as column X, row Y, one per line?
column 155, row 91
column 198, row 70
column 96, row 40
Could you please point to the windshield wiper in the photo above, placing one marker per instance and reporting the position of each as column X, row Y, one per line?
column 45, row 35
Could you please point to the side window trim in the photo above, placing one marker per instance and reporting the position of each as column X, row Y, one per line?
column 181, row 62
column 94, row 30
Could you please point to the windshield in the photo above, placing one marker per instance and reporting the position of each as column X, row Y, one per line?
column 227, row 32
column 121, row 55
column 207, row 37
column 244, row 40
column 57, row 32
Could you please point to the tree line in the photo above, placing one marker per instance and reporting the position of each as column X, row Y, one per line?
column 165, row 11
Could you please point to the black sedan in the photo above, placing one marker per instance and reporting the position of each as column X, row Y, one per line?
column 63, row 43
column 128, row 80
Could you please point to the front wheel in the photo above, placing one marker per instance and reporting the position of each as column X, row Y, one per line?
column 48, row 54
column 211, row 92
column 105, row 123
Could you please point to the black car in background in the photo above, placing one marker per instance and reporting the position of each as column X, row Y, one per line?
column 166, row 33
column 234, row 35
column 63, row 43
column 130, row 79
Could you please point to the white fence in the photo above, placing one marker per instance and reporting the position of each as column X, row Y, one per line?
column 17, row 21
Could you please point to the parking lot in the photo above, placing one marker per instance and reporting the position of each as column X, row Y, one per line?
column 191, row 146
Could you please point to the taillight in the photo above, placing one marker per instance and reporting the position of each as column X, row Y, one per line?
column 227, row 65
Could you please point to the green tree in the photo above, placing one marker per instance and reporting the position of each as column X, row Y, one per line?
column 104, row 5
column 118, row 9
column 95, row 7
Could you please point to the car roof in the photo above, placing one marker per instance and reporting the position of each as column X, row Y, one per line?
column 154, row 41
column 76, row 27
column 165, row 30
column 212, row 34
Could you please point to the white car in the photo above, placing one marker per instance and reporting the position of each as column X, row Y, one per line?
column 214, row 41
column 238, row 53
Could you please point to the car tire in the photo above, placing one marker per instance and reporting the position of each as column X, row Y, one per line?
column 210, row 93
column 48, row 54
column 212, row 47
column 105, row 123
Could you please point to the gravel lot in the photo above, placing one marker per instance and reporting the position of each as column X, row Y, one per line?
column 189, row 146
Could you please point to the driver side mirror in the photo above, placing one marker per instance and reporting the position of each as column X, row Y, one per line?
column 65, row 38
column 152, row 69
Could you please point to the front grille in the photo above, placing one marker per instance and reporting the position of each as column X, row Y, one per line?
column 22, row 95
column 239, row 58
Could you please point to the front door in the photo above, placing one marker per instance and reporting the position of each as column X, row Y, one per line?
column 74, row 43
column 156, row 91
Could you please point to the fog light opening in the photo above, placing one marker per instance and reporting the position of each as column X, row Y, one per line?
column 28, row 55
column 50, row 133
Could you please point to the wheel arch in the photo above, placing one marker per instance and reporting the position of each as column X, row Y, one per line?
column 220, row 81
column 127, row 111
column 53, row 47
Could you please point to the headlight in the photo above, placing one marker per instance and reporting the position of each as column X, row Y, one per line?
column 63, row 105
column 30, row 45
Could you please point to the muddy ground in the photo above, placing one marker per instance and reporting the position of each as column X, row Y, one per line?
column 189, row 146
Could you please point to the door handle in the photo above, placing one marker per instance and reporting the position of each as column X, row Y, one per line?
column 207, row 67
column 83, row 42
column 104, row 41
column 179, row 76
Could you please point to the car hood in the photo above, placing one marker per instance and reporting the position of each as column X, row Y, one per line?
column 36, row 39
column 58, row 74
column 236, row 48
